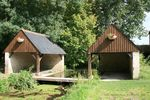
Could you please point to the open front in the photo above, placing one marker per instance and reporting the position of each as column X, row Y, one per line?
column 117, row 65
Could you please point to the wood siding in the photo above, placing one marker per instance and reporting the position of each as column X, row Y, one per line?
column 25, row 46
column 120, row 44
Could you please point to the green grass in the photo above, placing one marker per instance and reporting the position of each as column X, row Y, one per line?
column 90, row 90
column 131, row 89
column 114, row 90
column 42, row 92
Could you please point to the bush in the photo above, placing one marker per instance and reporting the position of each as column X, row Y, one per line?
column 4, row 85
column 22, row 81
column 144, row 68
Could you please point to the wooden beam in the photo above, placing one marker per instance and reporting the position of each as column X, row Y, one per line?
column 33, row 55
column 99, row 58
column 38, row 61
column 93, row 58
column 58, row 79
column 130, row 55
column 89, row 66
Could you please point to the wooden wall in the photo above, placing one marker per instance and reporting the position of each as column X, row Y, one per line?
column 120, row 44
column 25, row 46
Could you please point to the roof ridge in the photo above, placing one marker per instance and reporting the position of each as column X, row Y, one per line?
column 34, row 33
column 125, row 36
column 101, row 39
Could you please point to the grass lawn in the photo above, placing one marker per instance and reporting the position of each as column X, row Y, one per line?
column 126, row 90
column 42, row 92
column 114, row 90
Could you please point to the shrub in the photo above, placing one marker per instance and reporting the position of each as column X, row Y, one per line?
column 4, row 85
column 144, row 68
column 22, row 81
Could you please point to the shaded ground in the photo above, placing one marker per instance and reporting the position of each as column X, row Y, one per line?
column 43, row 92
column 115, row 76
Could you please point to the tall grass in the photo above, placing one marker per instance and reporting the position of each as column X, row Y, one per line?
column 81, row 90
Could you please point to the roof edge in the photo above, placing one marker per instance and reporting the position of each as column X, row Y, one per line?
column 24, row 30
column 30, row 41
column 125, row 36
column 43, row 35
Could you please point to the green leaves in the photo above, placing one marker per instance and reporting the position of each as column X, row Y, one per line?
column 79, row 34
column 127, row 16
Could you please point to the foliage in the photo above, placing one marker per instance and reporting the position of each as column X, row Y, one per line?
column 21, row 81
column 79, row 34
column 4, row 85
column 128, row 15
column 144, row 68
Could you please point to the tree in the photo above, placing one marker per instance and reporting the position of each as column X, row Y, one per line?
column 79, row 34
column 44, row 16
column 128, row 15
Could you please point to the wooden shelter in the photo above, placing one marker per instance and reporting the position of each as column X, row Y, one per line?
column 30, row 49
column 117, row 54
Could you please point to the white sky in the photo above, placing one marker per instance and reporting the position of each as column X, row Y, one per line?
column 144, row 40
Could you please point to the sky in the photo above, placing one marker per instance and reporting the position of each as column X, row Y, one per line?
column 144, row 40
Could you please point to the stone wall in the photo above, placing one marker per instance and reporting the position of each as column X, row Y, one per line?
column 53, row 62
column 19, row 61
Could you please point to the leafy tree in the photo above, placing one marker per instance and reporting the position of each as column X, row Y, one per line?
column 79, row 34
column 128, row 15
column 45, row 16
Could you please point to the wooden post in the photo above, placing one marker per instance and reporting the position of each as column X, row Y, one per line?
column 99, row 60
column 89, row 66
column 38, row 60
column 99, row 66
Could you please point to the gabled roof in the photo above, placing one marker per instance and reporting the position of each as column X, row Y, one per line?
column 33, row 42
column 120, row 44
column 42, row 43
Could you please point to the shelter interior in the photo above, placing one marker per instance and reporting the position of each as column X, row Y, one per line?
column 114, row 64
column 27, row 61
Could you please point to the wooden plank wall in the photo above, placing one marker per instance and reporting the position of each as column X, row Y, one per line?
column 120, row 44
column 26, row 46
